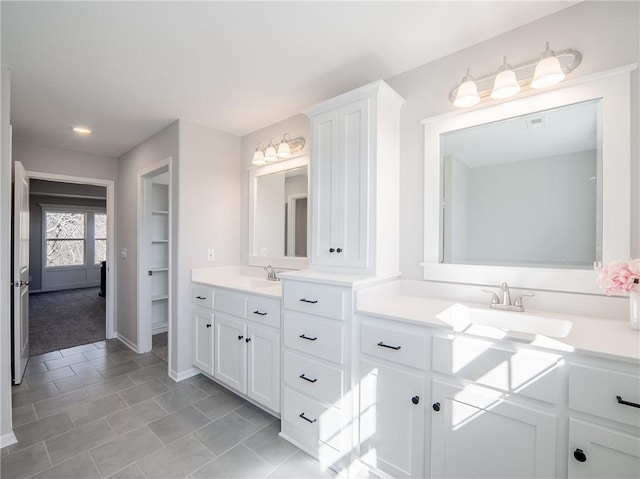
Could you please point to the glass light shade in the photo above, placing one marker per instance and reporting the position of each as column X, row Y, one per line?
column 548, row 70
column 270, row 153
column 284, row 151
column 506, row 83
column 258, row 157
column 467, row 94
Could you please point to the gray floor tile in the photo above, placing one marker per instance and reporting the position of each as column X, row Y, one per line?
column 220, row 404
column 23, row 415
column 118, row 453
column 77, row 349
column 39, row 358
column 144, row 391
column 65, row 361
column 178, row 424
column 182, row 396
column 78, row 440
column 239, row 462
column 109, row 386
column 96, row 354
column 35, row 368
column 176, row 460
column 122, row 356
column 33, row 394
column 131, row 472
column 61, row 402
column 206, row 384
column 23, row 386
column 135, row 416
column 93, row 409
column 225, row 433
column 78, row 381
column 25, row 463
column 92, row 364
column 148, row 373
column 118, row 369
column 80, row 466
column 49, row 376
column 41, row 430
column 267, row 444
column 112, row 345
column 149, row 359
column 301, row 465
column 255, row 415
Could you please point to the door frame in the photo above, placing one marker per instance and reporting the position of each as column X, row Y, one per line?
column 143, row 321
column 110, row 304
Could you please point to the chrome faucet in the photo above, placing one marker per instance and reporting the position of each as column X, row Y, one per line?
column 271, row 273
column 506, row 303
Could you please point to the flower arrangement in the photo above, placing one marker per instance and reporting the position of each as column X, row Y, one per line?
column 620, row 276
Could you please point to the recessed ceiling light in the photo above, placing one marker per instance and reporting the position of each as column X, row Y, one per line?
column 81, row 130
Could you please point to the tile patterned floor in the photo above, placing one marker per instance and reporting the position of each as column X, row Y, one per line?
column 102, row 411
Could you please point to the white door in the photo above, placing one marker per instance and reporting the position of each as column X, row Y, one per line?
column 203, row 340
column 20, row 272
column 264, row 367
column 230, row 352
column 392, row 419
column 476, row 433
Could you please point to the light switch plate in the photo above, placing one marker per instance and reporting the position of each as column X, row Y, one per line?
column 211, row 255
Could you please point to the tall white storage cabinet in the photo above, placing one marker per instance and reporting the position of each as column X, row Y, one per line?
column 354, row 177
column 159, row 258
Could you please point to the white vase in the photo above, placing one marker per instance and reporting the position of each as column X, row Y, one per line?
column 634, row 308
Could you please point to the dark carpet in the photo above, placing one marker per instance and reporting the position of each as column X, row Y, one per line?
column 159, row 346
column 62, row 319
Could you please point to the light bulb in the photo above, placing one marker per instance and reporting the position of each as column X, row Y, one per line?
column 548, row 70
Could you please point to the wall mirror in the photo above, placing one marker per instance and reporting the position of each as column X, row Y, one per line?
column 534, row 191
column 278, row 226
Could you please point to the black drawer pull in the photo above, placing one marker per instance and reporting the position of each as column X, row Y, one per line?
column 579, row 455
column 240, row 337
column 307, row 419
column 259, row 312
column 311, row 301
column 436, row 406
column 304, row 336
column 209, row 325
column 382, row 345
column 201, row 297
column 626, row 403
column 302, row 376
column 247, row 340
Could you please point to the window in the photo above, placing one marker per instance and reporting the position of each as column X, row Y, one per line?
column 65, row 232
column 100, row 237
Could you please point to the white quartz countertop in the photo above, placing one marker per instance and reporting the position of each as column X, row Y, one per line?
column 236, row 279
column 602, row 337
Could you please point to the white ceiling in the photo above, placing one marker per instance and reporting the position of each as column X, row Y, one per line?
column 128, row 69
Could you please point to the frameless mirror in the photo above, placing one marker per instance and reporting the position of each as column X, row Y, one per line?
column 525, row 191
column 278, row 216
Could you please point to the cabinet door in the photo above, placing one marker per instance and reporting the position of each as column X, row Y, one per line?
column 597, row 452
column 476, row 433
column 392, row 419
column 203, row 340
column 230, row 352
column 264, row 367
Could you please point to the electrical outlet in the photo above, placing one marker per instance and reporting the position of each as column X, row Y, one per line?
column 263, row 251
column 211, row 255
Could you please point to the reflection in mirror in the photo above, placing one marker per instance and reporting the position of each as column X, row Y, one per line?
column 281, row 213
column 525, row 191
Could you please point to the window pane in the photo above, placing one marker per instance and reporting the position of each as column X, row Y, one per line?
column 65, row 225
column 65, row 252
column 101, row 251
column 101, row 225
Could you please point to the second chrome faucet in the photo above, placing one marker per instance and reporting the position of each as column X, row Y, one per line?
column 505, row 303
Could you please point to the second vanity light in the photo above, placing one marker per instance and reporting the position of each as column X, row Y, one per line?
column 285, row 148
column 550, row 68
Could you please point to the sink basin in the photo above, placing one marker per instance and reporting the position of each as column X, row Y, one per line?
column 460, row 316
column 254, row 283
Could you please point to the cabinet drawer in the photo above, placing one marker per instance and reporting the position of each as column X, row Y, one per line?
column 318, row 337
column 595, row 391
column 231, row 303
column 400, row 347
column 313, row 298
column 534, row 374
column 316, row 380
column 313, row 422
column 264, row 310
column 202, row 296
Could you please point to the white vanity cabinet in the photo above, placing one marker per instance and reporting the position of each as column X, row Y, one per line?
column 354, row 176
column 203, row 330
column 604, row 424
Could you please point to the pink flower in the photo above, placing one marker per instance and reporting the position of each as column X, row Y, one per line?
column 619, row 276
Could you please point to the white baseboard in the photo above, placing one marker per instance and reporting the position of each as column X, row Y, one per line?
column 182, row 375
column 126, row 342
column 8, row 439
column 160, row 329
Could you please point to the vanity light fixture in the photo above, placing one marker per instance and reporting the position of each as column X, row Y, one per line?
column 549, row 69
column 286, row 147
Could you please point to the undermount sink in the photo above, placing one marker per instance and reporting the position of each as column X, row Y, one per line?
column 460, row 316
column 253, row 283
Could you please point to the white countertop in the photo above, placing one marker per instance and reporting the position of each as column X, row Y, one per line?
column 602, row 337
column 237, row 279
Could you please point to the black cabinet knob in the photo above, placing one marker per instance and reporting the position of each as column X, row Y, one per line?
column 579, row 455
column 247, row 340
column 209, row 325
column 332, row 250
column 339, row 250
column 415, row 399
column 436, row 406
column 240, row 337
